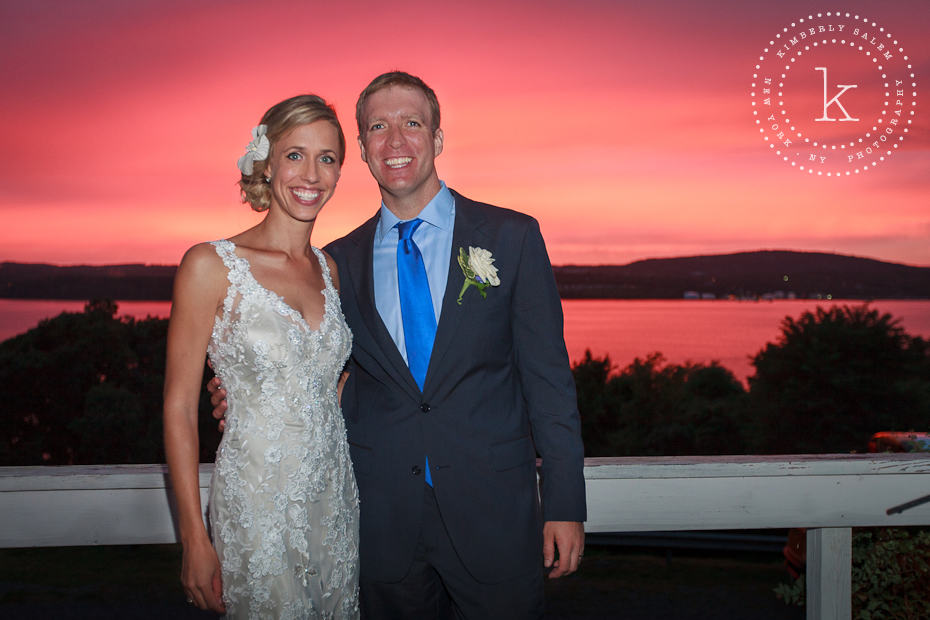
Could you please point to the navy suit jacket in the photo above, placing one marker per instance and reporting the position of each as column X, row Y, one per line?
column 498, row 390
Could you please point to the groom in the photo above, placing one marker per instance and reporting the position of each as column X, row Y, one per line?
column 458, row 377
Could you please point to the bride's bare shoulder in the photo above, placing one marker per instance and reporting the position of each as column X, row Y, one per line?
column 202, row 266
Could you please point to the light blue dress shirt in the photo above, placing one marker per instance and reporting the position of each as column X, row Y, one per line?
column 434, row 238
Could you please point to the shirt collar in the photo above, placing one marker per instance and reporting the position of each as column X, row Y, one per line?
column 438, row 212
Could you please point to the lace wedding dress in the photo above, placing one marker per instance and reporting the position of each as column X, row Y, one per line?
column 283, row 501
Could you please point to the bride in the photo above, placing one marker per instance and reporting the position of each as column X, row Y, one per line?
column 283, row 507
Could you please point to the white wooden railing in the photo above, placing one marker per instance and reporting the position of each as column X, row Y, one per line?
column 829, row 494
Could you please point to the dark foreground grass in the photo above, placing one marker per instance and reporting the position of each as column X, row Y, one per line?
column 133, row 581
column 141, row 582
column 617, row 583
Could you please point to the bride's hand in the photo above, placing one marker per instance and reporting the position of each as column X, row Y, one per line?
column 201, row 577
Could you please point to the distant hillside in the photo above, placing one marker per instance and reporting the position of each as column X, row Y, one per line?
column 125, row 282
column 747, row 274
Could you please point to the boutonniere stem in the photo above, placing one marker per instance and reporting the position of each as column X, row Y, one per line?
column 479, row 271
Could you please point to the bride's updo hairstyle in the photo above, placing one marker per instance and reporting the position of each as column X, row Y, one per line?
column 280, row 119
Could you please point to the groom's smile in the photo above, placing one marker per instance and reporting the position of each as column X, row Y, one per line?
column 398, row 162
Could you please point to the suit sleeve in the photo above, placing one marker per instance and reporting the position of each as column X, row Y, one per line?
column 547, row 382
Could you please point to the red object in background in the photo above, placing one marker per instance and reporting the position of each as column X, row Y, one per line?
column 795, row 551
column 899, row 441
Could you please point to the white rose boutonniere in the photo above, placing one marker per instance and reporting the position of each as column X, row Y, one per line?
column 479, row 270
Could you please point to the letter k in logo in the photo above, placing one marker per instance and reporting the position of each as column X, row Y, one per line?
column 835, row 99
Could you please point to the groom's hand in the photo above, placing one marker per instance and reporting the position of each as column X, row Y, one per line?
column 218, row 400
column 568, row 538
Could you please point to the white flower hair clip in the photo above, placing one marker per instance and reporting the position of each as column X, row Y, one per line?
column 256, row 150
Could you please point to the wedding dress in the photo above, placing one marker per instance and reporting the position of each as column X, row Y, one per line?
column 283, row 501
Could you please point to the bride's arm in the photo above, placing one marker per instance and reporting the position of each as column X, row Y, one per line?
column 198, row 289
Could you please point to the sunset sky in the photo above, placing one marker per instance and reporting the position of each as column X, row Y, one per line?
column 625, row 127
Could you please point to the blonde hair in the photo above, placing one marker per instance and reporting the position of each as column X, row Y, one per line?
column 280, row 119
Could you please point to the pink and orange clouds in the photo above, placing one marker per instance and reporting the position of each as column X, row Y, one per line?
column 624, row 127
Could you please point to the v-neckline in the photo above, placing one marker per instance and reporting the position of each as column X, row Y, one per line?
column 293, row 312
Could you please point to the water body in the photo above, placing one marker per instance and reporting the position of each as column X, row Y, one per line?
column 682, row 330
column 700, row 331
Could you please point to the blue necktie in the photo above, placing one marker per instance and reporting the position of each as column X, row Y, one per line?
column 416, row 307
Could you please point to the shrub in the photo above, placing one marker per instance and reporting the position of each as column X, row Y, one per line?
column 890, row 575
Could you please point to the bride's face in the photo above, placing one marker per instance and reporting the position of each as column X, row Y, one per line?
column 304, row 168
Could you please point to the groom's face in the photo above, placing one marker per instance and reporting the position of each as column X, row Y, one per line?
column 398, row 144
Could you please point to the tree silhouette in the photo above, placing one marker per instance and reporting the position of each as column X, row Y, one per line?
column 834, row 377
column 86, row 388
column 653, row 409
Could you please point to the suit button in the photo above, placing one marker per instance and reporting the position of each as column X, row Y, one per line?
column 425, row 407
column 415, row 470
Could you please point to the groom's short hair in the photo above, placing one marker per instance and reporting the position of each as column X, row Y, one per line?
column 397, row 78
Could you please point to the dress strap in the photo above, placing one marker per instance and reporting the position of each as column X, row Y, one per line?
column 237, row 266
column 324, row 265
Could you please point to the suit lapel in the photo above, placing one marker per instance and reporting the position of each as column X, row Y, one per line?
column 361, row 265
column 468, row 231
